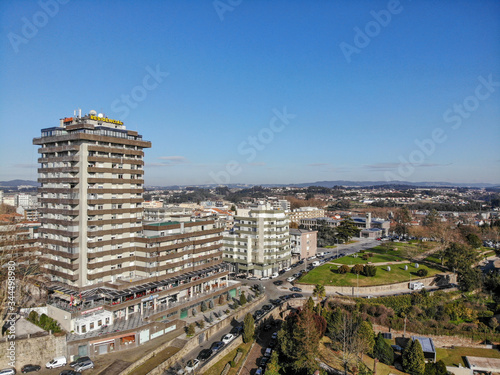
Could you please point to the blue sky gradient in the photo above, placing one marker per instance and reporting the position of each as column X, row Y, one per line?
column 232, row 67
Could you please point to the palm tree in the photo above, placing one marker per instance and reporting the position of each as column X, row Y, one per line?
column 319, row 291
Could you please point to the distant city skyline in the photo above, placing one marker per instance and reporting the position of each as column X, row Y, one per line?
column 262, row 92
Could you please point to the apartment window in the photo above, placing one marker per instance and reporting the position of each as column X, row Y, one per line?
column 120, row 176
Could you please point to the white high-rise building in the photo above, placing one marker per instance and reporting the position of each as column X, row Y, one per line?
column 259, row 242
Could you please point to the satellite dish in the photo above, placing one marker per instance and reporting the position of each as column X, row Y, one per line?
column 92, row 112
column 100, row 115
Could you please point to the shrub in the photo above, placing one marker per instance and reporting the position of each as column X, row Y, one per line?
column 232, row 364
column 357, row 269
column 343, row 269
column 365, row 257
column 33, row 317
column 190, row 329
column 243, row 299
column 369, row 270
column 203, row 306
column 422, row 272
column 211, row 304
column 201, row 323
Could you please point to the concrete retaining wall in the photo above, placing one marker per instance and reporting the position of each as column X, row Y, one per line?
column 364, row 290
column 34, row 350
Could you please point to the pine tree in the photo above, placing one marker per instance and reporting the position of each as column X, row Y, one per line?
column 383, row 351
column 273, row 367
column 413, row 358
column 243, row 299
column 366, row 338
column 248, row 328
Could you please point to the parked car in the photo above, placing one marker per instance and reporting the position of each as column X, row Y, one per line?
column 264, row 278
column 267, row 307
column 216, row 346
column 297, row 295
column 276, row 302
column 204, row 354
column 69, row 372
column 278, row 282
column 56, row 362
column 236, row 331
column 30, row 368
column 288, row 269
column 295, row 289
column 259, row 371
column 8, row 371
column 85, row 365
column 268, row 352
column 192, row 365
column 79, row 360
column 227, row 338
column 274, row 336
column 263, row 361
column 290, row 279
column 274, row 275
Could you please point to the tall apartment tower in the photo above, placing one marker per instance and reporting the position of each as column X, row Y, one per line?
column 91, row 178
column 259, row 242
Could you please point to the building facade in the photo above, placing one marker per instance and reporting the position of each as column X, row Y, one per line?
column 259, row 243
column 107, row 268
column 303, row 243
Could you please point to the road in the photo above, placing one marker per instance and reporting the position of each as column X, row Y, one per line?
column 272, row 291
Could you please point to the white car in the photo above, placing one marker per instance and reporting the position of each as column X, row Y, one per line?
column 288, row 269
column 227, row 338
column 290, row 279
column 192, row 365
column 264, row 278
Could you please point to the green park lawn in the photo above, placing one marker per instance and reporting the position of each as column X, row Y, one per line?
column 455, row 356
column 327, row 275
column 376, row 258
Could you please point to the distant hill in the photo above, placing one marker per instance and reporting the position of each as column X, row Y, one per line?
column 16, row 183
column 330, row 184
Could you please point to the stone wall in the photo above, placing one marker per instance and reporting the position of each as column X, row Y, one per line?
column 364, row 290
column 36, row 350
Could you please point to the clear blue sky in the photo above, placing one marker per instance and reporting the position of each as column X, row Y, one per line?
column 361, row 103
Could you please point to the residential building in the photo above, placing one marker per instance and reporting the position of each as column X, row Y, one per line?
column 107, row 269
column 372, row 228
column 303, row 243
column 309, row 223
column 306, row 213
column 259, row 243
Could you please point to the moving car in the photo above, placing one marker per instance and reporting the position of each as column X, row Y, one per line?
column 192, row 365
column 30, row 368
column 56, row 362
column 227, row 338
column 278, row 282
column 204, row 354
